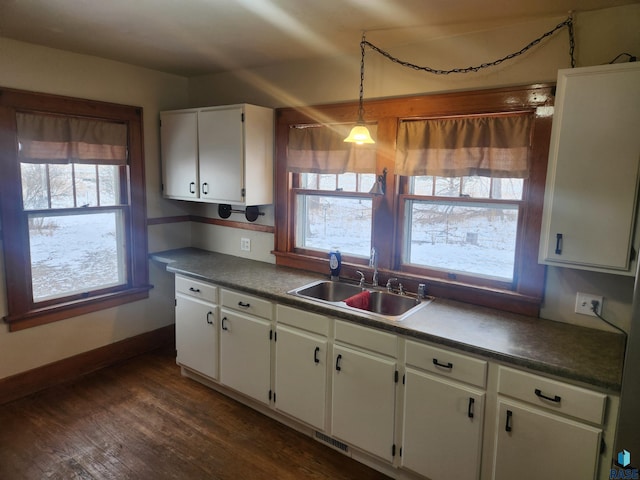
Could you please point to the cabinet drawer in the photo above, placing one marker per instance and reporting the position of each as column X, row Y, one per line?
column 312, row 322
column 543, row 392
column 446, row 363
column 245, row 303
column 367, row 338
column 194, row 288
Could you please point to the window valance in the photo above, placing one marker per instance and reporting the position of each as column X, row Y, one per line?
column 490, row 146
column 321, row 149
column 59, row 139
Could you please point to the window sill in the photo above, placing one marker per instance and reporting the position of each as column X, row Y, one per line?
column 42, row 316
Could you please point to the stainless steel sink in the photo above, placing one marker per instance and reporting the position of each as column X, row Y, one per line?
column 328, row 291
column 382, row 304
column 391, row 304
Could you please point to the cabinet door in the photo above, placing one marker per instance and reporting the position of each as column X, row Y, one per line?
column 197, row 335
column 533, row 444
column 363, row 400
column 221, row 141
column 301, row 375
column 179, row 143
column 443, row 423
column 245, row 354
column 590, row 196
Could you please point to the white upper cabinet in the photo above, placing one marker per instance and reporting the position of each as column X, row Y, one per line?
column 218, row 154
column 592, row 178
column 179, row 143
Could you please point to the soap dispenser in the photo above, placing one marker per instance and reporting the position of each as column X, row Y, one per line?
column 335, row 263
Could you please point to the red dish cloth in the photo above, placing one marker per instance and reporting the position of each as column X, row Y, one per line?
column 360, row 300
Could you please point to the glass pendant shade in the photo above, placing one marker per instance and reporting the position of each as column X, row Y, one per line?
column 359, row 134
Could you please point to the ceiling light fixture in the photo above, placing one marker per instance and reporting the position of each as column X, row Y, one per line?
column 360, row 133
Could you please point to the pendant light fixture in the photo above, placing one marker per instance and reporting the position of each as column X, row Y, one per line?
column 360, row 133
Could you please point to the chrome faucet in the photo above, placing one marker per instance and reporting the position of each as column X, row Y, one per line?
column 361, row 283
column 389, row 284
column 373, row 263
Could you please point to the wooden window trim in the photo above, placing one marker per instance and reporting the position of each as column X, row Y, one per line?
column 21, row 311
column 526, row 295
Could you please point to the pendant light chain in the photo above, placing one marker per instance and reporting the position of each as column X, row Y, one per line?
column 567, row 23
column 361, row 106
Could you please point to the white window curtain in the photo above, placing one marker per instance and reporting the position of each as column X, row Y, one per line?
column 489, row 146
column 59, row 139
column 321, row 149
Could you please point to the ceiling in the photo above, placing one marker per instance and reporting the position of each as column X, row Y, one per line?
column 193, row 37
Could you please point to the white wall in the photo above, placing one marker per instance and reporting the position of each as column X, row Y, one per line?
column 600, row 36
column 40, row 69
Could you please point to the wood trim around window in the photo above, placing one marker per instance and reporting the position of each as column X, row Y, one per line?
column 22, row 313
column 526, row 295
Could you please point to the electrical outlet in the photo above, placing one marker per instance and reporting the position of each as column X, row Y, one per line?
column 584, row 305
column 245, row 244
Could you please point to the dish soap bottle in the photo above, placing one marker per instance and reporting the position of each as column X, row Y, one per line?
column 335, row 262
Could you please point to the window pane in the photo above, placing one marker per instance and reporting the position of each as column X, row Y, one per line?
column 309, row 181
column 109, row 185
column 447, row 187
column 324, row 222
column 462, row 237
column 476, row 187
column 35, row 192
column 86, row 177
column 61, row 186
column 347, row 182
column 507, row 188
column 366, row 181
column 422, row 185
column 327, row 182
column 73, row 254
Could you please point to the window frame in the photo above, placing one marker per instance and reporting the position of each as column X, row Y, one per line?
column 22, row 311
column 526, row 293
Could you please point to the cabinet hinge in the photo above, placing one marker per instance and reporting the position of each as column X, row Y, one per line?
column 633, row 254
column 242, row 117
column 270, row 395
column 175, row 302
column 404, row 378
column 395, row 377
column 393, row 450
column 603, row 446
column 243, row 192
column 270, row 334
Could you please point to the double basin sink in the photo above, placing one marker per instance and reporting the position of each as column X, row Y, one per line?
column 379, row 304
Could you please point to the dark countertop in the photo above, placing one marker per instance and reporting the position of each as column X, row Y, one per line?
column 591, row 356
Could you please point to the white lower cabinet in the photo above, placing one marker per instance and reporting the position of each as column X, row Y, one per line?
column 301, row 374
column 442, row 427
column 245, row 344
column 532, row 444
column 364, row 390
column 197, row 326
column 443, row 418
column 342, row 378
column 197, row 335
column 546, row 429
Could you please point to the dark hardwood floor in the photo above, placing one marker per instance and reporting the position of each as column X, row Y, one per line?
column 142, row 420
